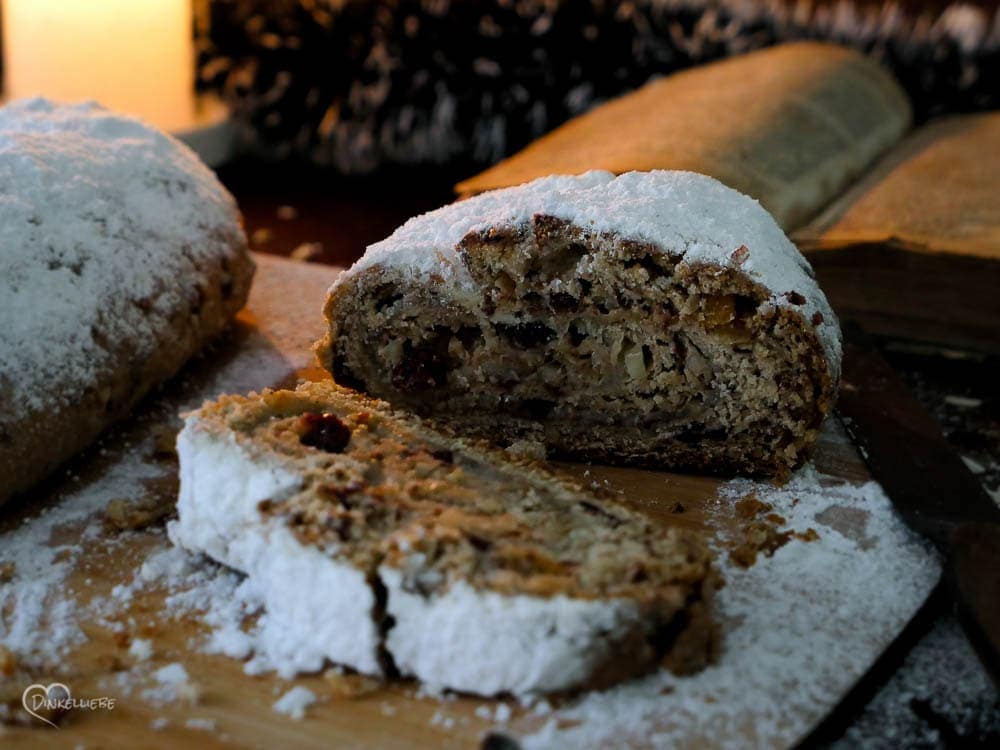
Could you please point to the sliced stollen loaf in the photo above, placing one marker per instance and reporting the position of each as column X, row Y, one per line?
column 376, row 541
column 656, row 317
column 121, row 254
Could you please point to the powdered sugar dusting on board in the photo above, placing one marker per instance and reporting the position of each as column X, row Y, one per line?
column 682, row 213
column 799, row 626
column 40, row 618
column 100, row 219
column 792, row 622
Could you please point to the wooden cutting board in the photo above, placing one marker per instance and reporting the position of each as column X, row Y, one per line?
column 830, row 631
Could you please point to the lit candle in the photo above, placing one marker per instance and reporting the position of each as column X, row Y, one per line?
column 135, row 56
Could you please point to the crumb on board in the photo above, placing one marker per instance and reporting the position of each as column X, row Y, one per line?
column 7, row 570
column 261, row 236
column 202, row 725
column 351, row 685
column 761, row 533
column 751, row 507
column 141, row 649
column 165, row 440
column 123, row 514
column 532, row 450
column 295, row 702
column 8, row 663
column 174, row 684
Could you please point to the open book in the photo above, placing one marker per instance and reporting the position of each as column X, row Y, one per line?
column 902, row 226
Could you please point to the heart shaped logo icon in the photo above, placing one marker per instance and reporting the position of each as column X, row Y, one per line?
column 37, row 698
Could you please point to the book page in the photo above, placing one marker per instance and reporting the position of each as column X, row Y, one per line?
column 938, row 191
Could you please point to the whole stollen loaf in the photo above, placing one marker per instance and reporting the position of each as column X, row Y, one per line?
column 656, row 318
column 121, row 254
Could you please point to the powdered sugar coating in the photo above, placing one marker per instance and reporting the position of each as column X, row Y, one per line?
column 222, row 485
column 108, row 227
column 488, row 643
column 682, row 213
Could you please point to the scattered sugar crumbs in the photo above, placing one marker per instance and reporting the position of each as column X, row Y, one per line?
column 760, row 532
column 784, row 619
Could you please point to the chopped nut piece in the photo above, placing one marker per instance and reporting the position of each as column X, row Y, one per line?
column 505, row 285
column 634, row 363
column 307, row 252
column 719, row 310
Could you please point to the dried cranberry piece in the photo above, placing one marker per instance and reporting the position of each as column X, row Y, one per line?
column 532, row 408
column 526, row 335
column 324, row 431
column 443, row 455
column 469, row 336
column 563, row 302
column 420, row 370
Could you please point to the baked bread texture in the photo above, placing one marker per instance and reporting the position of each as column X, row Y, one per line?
column 383, row 545
column 657, row 318
column 121, row 254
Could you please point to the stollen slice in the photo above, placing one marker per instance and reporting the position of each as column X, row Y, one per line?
column 385, row 546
